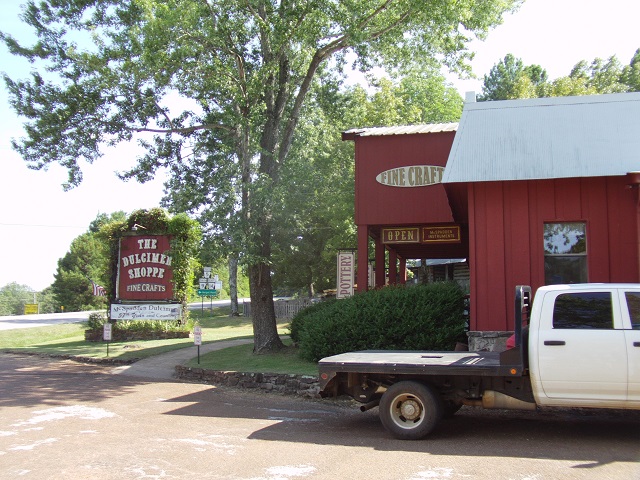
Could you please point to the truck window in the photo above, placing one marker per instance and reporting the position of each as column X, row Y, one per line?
column 633, row 304
column 589, row 310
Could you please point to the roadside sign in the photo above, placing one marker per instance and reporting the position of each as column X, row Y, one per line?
column 106, row 334
column 197, row 335
column 207, row 292
column 30, row 308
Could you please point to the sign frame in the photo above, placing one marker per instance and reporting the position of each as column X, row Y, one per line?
column 346, row 260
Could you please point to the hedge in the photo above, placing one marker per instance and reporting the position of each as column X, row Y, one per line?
column 423, row 317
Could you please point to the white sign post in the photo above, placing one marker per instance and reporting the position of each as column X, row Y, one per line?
column 106, row 335
column 197, row 339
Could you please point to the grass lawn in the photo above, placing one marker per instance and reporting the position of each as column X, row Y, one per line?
column 68, row 339
column 242, row 359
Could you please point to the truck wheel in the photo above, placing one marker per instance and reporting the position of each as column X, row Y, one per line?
column 410, row 410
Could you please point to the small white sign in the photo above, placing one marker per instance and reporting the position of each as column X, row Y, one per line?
column 197, row 335
column 106, row 334
column 158, row 311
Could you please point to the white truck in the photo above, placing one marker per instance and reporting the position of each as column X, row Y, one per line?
column 575, row 346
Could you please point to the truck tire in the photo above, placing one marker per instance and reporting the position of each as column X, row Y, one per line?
column 410, row 410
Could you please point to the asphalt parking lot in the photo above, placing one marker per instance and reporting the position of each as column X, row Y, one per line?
column 61, row 419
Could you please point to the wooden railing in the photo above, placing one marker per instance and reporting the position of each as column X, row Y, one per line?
column 284, row 308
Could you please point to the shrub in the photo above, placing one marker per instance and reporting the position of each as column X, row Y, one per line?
column 424, row 317
column 136, row 329
column 96, row 320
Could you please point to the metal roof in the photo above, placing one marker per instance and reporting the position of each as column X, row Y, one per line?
column 560, row 137
column 399, row 130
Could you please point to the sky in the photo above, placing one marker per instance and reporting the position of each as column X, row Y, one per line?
column 38, row 220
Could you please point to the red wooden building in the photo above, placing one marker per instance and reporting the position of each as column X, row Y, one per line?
column 534, row 192
column 401, row 202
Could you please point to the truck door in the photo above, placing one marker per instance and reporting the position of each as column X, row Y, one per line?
column 582, row 348
column 630, row 301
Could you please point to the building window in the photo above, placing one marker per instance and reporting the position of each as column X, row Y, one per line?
column 583, row 310
column 565, row 253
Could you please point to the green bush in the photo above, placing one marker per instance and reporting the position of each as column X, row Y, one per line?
column 424, row 317
column 96, row 322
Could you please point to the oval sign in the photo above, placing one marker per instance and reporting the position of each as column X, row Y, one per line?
column 412, row 176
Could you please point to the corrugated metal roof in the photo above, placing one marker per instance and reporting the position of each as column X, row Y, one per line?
column 401, row 130
column 562, row 137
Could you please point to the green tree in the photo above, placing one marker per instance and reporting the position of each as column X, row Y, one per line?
column 47, row 301
column 238, row 73
column 510, row 79
column 86, row 261
column 13, row 298
column 631, row 73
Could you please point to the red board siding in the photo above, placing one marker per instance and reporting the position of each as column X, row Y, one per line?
column 378, row 204
column 506, row 225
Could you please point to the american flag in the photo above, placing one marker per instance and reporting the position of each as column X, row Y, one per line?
column 98, row 291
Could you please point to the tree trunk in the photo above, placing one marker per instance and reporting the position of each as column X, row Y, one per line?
column 263, row 316
column 233, row 284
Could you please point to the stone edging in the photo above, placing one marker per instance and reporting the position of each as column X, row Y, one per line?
column 76, row 358
column 286, row 384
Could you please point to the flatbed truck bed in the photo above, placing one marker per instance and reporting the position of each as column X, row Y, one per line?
column 414, row 362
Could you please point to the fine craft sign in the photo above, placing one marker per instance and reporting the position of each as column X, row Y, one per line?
column 411, row 176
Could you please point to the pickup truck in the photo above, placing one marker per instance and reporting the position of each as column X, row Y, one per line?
column 575, row 346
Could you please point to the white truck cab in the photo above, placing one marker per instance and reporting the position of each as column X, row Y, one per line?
column 584, row 345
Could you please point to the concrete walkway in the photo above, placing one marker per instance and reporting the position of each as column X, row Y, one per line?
column 162, row 367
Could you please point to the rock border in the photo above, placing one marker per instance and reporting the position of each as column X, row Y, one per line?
column 284, row 384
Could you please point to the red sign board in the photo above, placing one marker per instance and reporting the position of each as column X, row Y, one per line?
column 144, row 268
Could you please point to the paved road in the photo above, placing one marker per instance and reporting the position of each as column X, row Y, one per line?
column 62, row 420
column 41, row 320
column 11, row 322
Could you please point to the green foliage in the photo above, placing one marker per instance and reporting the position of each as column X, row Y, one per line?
column 424, row 317
column 631, row 73
column 13, row 298
column 511, row 79
column 219, row 267
column 86, row 261
column 185, row 245
column 96, row 322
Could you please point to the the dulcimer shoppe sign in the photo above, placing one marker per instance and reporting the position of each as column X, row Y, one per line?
column 144, row 268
